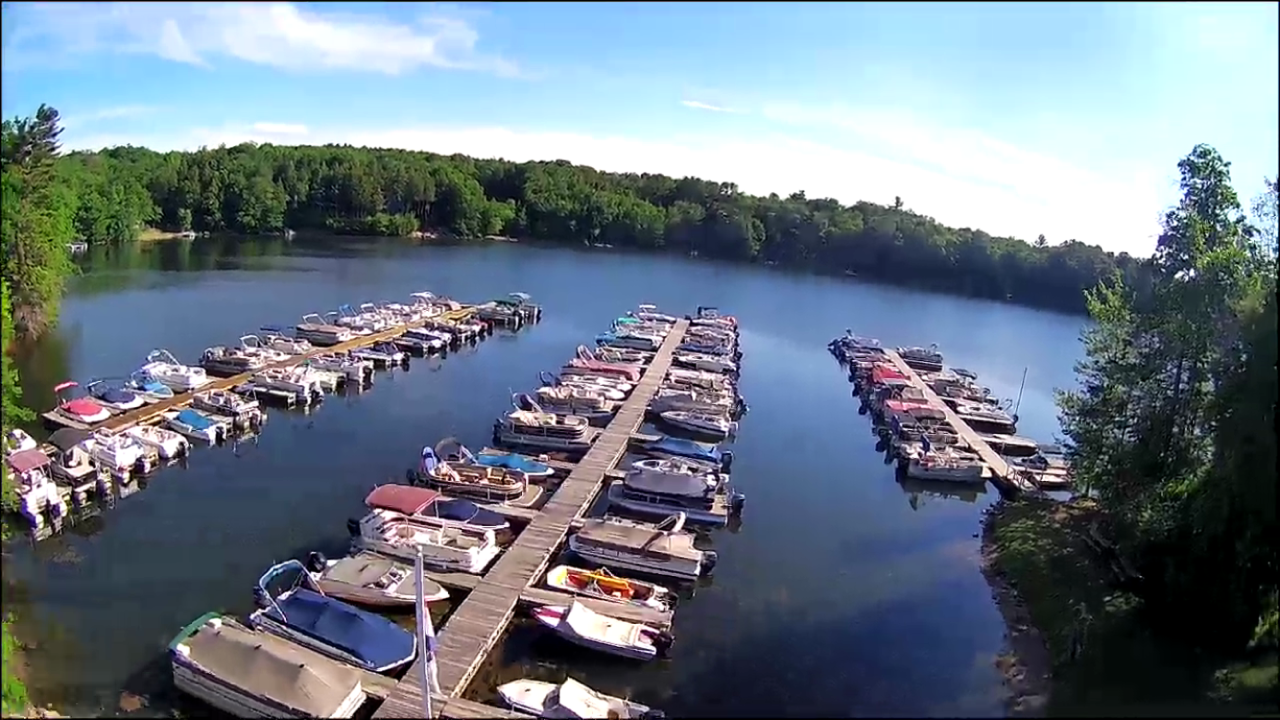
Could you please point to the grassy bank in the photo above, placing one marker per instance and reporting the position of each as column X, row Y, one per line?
column 1085, row 639
column 14, row 698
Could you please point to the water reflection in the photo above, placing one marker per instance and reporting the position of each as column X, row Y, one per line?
column 917, row 491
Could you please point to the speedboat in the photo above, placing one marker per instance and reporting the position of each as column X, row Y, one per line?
column 715, row 425
column 604, row 585
column 370, row 579
column 195, row 425
column 432, row 508
column 585, row 363
column 647, row 312
column 167, row 443
column 634, row 340
column 583, row 626
column 305, row 615
column 360, row 323
column 571, row 700
column 162, row 366
column 143, row 385
column 113, row 396
column 73, row 403
column 457, row 455
column 489, row 483
column 666, row 446
column 244, row 673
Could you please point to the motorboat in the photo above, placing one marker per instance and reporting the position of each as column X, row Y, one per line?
column 565, row 433
column 565, row 400
column 383, row 353
column 717, row 425
column 276, row 340
column 292, row 380
column 570, row 700
column 698, row 401
column 69, row 449
column 667, row 446
column 629, row 373
column 225, row 403
column 422, row 340
column 315, row 330
column 305, row 615
column 432, row 508
column 665, row 549
column 229, row 362
column 709, row 314
column 946, row 466
column 921, row 358
column 702, row 497
column 167, row 443
column 490, row 483
column 583, row 626
column 255, row 346
column 352, row 368
column 448, row 548
column 245, row 673
column 164, row 367
column 370, row 579
column 30, row 471
column 707, row 346
column 604, row 585
column 457, row 455
column 17, row 440
column 196, row 425
column 621, row 355
column 122, row 454
column 700, row 361
column 145, row 386
column 361, row 322
column 608, row 388
column 649, row 313
column 113, row 396
column 73, row 402
column 587, row 355
column 634, row 340
column 681, row 377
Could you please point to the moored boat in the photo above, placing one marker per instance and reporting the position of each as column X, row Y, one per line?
column 112, row 395
column 370, row 579
column 489, row 483
column 449, row 548
column 565, row 433
column 196, row 425
column 571, row 700
column 76, row 406
column 667, row 446
column 716, row 425
column 604, row 585
column 164, row 367
column 432, row 508
column 583, row 626
column 167, row 443
column 664, row 549
column 457, row 454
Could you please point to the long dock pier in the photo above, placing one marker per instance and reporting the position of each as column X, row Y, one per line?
column 1001, row 473
column 479, row 622
column 149, row 413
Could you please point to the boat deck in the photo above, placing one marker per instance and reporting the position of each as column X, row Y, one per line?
column 1001, row 473
column 480, row 621
column 150, row 413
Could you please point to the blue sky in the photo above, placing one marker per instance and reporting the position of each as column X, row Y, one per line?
column 1061, row 119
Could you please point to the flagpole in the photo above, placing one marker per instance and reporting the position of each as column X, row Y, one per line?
column 426, row 641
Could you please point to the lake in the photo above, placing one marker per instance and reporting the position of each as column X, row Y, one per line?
column 843, row 593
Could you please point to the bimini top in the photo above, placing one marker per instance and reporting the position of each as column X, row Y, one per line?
column 67, row 438
column 24, row 461
column 403, row 499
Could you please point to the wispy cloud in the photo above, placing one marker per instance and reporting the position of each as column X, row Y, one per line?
column 280, row 35
column 698, row 105
column 111, row 113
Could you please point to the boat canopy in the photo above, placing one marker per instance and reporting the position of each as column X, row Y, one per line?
column 375, row 640
column 450, row 447
column 670, row 483
column 194, row 420
column 684, row 448
column 403, row 499
column 881, row 373
column 24, row 461
column 67, row 438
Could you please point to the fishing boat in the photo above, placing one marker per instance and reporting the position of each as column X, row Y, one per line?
column 165, row 442
column 571, row 700
column 583, row 626
column 30, row 471
column 145, row 386
column 381, row 354
column 250, row 674
column 565, row 400
column 315, row 330
column 449, row 548
column 604, row 585
column 163, row 366
column 456, row 454
column 352, row 368
column 490, row 483
column 564, row 433
column 195, row 425
column 666, row 446
column 308, row 617
column 664, row 549
column 716, row 425
column 370, row 579
column 432, row 508
column 229, row 362
column 111, row 395
column 73, row 403
column 225, row 403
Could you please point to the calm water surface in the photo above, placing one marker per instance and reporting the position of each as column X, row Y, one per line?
column 843, row 592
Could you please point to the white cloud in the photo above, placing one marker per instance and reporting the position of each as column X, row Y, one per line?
column 959, row 177
column 110, row 113
column 278, row 34
column 697, row 105
column 270, row 128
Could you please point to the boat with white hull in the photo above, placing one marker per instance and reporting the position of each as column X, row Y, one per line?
column 168, row 444
column 352, row 368
column 317, row 331
column 165, row 368
column 716, row 425
column 583, row 626
column 571, row 700
column 370, row 579
column 547, row 431
column 449, row 548
column 665, row 549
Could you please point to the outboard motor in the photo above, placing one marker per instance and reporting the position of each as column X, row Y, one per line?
column 726, row 461
column 709, row 560
column 353, row 527
column 653, row 715
column 663, row 642
column 736, row 501
column 316, row 561
column 260, row 597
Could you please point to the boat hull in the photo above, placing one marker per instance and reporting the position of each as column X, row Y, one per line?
column 618, row 560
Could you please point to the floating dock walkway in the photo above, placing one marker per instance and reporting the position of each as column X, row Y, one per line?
column 479, row 622
column 150, row 413
column 1002, row 474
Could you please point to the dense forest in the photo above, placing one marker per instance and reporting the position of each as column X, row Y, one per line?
column 252, row 189
column 1172, row 426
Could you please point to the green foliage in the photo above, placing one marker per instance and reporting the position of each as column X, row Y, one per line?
column 1173, row 423
column 258, row 189
column 13, row 694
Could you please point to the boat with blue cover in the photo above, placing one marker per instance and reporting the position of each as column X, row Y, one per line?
column 455, row 453
column 308, row 617
column 112, row 395
column 196, row 425
column 142, row 384
column 667, row 446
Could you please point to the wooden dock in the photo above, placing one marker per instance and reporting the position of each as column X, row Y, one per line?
column 1001, row 472
column 480, row 621
column 149, row 413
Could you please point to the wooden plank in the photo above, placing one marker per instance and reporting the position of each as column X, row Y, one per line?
column 478, row 623
column 462, row 709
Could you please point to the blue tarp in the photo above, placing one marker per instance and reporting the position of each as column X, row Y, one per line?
column 376, row 641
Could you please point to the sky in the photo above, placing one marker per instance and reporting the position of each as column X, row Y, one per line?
column 1066, row 120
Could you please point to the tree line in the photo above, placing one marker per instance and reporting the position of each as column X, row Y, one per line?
column 1172, row 426
column 251, row 189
